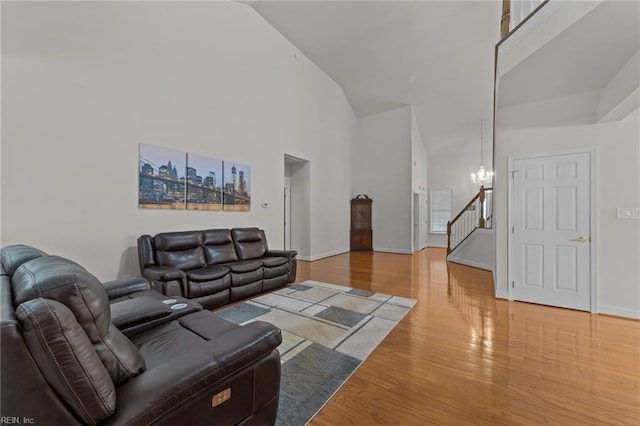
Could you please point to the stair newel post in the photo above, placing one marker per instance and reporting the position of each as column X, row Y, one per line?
column 448, row 237
column 481, row 221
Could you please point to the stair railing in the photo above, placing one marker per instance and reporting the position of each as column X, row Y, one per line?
column 476, row 214
column 516, row 12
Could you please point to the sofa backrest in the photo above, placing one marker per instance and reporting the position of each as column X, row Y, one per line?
column 187, row 250
column 182, row 250
column 19, row 369
column 218, row 246
column 250, row 243
column 16, row 254
column 64, row 281
column 67, row 359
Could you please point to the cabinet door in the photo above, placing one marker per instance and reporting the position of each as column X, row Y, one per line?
column 361, row 216
column 361, row 239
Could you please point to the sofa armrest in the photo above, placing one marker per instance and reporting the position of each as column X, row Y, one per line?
column 281, row 253
column 131, row 312
column 174, row 385
column 167, row 280
column 163, row 273
column 124, row 286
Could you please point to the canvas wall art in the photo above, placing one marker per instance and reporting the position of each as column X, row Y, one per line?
column 236, row 187
column 162, row 182
column 204, row 183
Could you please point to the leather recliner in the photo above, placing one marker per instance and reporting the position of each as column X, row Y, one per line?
column 216, row 266
column 64, row 362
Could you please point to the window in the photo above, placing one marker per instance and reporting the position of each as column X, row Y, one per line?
column 441, row 206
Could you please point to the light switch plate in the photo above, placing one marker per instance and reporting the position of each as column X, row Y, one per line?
column 628, row 213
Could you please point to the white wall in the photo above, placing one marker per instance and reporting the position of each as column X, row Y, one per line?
column 382, row 170
column 476, row 250
column 622, row 89
column 85, row 83
column 572, row 110
column 419, row 178
column 617, row 185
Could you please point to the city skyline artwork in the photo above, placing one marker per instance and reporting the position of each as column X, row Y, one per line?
column 172, row 179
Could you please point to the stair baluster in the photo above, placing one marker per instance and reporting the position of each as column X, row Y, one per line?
column 476, row 214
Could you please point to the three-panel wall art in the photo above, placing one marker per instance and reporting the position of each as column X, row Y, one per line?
column 171, row 179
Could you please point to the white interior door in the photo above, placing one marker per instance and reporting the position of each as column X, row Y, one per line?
column 550, row 248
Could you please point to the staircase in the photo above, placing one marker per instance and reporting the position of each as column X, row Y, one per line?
column 478, row 213
column 470, row 239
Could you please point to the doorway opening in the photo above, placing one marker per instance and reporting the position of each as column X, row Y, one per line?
column 297, row 206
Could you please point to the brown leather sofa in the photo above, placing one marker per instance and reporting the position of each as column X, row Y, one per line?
column 214, row 266
column 64, row 361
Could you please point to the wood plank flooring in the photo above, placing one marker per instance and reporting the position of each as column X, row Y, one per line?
column 462, row 357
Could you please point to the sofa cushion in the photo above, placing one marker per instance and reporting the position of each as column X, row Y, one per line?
column 276, row 271
column 15, row 255
column 165, row 342
column 249, row 243
column 177, row 240
column 67, row 359
column 205, row 288
column 271, row 262
column 244, row 278
column 218, row 246
column 244, row 266
column 207, row 274
column 181, row 259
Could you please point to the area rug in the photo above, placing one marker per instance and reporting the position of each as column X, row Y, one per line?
column 327, row 331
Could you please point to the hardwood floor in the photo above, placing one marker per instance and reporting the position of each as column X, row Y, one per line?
column 463, row 357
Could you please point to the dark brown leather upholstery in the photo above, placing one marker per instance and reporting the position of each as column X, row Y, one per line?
column 136, row 308
column 125, row 286
column 65, row 363
column 67, row 360
column 278, row 268
column 15, row 255
column 57, row 278
column 218, row 246
column 249, row 243
column 215, row 266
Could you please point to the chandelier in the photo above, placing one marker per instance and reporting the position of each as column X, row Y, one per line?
column 482, row 176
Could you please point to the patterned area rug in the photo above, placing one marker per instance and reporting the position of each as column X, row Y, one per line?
column 327, row 331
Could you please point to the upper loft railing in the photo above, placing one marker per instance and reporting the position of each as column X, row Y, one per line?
column 477, row 213
column 515, row 12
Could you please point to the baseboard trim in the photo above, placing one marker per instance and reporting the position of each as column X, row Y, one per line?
column 396, row 251
column 478, row 265
column 618, row 311
column 436, row 245
column 322, row 255
column 502, row 294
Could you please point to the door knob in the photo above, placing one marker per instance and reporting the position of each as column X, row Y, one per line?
column 582, row 239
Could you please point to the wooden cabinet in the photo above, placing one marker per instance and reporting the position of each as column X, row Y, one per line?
column 361, row 232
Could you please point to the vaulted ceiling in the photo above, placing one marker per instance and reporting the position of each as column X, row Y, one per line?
column 435, row 55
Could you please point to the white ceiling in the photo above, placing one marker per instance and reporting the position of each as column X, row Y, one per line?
column 435, row 55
